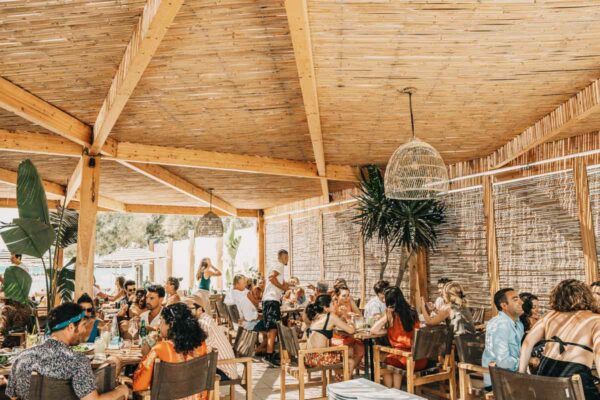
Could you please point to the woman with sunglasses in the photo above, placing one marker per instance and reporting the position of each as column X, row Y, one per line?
column 183, row 340
column 91, row 324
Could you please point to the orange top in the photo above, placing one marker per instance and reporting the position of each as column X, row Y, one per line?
column 402, row 340
column 164, row 351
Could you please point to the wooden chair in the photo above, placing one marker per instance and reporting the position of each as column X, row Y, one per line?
column 244, row 348
column 234, row 315
column 106, row 377
column 469, row 348
column 510, row 385
column 225, row 318
column 293, row 364
column 433, row 343
column 172, row 381
column 478, row 314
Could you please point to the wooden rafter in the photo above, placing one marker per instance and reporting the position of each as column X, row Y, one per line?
column 74, row 181
column 297, row 15
column 167, row 178
column 149, row 32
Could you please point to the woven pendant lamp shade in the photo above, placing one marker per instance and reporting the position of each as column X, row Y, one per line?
column 416, row 171
column 210, row 225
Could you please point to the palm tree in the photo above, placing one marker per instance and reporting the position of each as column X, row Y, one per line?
column 407, row 224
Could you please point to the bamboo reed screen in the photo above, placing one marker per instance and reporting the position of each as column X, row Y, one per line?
column 374, row 255
column 305, row 249
column 342, row 253
column 276, row 238
column 461, row 250
column 538, row 233
column 594, row 186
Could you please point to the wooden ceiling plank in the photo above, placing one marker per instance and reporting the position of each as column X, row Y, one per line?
column 167, row 178
column 297, row 16
column 147, row 36
column 32, row 108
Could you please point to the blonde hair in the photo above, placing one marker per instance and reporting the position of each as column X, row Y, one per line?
column 453, row 294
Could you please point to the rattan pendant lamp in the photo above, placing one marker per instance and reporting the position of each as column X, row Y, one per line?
column 416, row 171
column 210, row 225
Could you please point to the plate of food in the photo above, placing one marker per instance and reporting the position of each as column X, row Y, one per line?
column 83, row 348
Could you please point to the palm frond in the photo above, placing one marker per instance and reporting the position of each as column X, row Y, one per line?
column 65, row 229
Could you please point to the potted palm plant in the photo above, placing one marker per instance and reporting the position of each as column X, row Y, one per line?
column 39, row 233
column 406, row 224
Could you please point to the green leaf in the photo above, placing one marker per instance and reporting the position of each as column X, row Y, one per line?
column 65, row 229
column 31, row 196
column 27, row 236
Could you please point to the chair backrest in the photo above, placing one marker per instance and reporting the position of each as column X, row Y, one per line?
column 44, row 388
column 172, row 381
column 222, row 311
column 432, row 342
column 470, row 347
column 234, row 313
column 508, row 385
column 288, row 340
column 478, row 314
column 106, row 377
column 245, row 342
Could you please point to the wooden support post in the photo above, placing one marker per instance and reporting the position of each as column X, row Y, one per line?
column 191, row 257
column 422, row 276
column 290, row 245
column 86, row 231
column 222, row 282
column 151, row 265
column 321, row 247
column 260, row 226
column 60, row 261
column 361, row 266
column 586, row 224
column 170, row 257
column 491, row 243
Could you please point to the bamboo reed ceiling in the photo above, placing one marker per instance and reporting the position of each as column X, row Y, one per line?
column 225, row 78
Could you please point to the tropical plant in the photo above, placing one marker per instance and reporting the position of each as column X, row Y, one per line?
column 39, row 233
column 406, row 224
column 233, row 245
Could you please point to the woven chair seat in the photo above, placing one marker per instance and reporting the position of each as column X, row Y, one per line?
column 293, row 366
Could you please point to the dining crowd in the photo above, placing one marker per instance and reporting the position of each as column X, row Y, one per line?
column 563, row 341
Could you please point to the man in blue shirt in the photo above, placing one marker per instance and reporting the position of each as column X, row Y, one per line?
column 504, row 333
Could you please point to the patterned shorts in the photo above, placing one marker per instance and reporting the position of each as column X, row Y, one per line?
column 271, row 314
column 316, row 359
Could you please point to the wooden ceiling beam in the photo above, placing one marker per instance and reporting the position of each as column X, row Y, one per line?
column 156, row 18
column 168, row 178
column 297, row 16
column 583, row 104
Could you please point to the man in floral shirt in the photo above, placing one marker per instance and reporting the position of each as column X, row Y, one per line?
column 55, row 359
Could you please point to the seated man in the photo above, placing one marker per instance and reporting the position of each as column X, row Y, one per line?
column 375, row 308
column 238, row 296
column 55, row 359
column 154, row 300
column 504, row 333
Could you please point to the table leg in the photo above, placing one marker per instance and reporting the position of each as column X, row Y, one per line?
column 371, row 360
column 367, row 358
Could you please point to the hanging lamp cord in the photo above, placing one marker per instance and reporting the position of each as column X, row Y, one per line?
column 412, row 118
column 210, row 202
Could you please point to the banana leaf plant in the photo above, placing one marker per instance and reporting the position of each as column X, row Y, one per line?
column 39, row 233
column 406, row 224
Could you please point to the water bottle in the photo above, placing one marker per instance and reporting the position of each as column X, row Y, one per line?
column 143, row 331
column 115, row 327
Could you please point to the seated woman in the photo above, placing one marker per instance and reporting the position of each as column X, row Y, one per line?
column 571, row 332
column 345, row 308
column 454, row 311
column 171, row 288
column 137, row 307
column 400, row 321
column 183, row 340
column 531, row 310
column 92, row 326
column 322, row 323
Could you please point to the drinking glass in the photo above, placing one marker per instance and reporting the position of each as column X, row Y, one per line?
column 133, row 329
column 99, row 346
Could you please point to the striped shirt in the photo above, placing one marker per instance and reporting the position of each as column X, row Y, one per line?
column 217, row 340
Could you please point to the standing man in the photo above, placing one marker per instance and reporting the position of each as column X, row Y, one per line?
column 504, row 333
column 274, row 290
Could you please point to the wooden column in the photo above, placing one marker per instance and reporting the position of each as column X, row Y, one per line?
column 151, row 265
column 422, row 278
column 321, row 247
column 86, row 231
column 361, row 267
column 170, row 257
column 60, row 261
column 586, row 224
column 260, row 226
column 221, row 283
column 290, row 251
column 413, row 280
column 191, row 257
column 490, row 235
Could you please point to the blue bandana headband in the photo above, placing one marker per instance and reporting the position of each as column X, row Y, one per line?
column 64, row 324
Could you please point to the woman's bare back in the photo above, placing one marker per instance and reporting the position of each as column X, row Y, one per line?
column 581, row 327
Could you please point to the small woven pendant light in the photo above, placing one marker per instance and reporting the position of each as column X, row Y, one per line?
column 416, row 171
column 210, row 225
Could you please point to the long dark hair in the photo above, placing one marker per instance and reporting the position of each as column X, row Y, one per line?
column 316, row 308
column 395, row 298
column 184, row 329
column 527, row 299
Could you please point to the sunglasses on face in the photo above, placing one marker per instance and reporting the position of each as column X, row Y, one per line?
column 131, row 290
column 89, row 310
